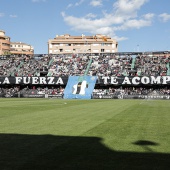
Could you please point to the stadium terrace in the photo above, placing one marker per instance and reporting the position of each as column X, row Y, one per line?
column 96, row 75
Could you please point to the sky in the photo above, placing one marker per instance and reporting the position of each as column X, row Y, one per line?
column 137, row 25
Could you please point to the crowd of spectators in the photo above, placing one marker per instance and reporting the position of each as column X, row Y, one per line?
column 44, row 90
column 132, row 91
column 74, row 64
column 16, row 91
column 109, row 65
column 9, row 92
column 153, row 66
column 23, row 66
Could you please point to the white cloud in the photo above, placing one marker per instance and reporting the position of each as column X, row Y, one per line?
column 136, row 24
column 123, row 17
column 120, row 38
column 13, row 16
column 69, row 6
column 93, row 26
column 2, row 14
column 149, row 16
column 79, row 3
column 96, row 3
column 128, row 8
column 90, row 15
column 76, row 4
column 164, row 17
column 145, row 21
column 39, row 0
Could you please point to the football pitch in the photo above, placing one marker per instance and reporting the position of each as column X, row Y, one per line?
column 54, row 134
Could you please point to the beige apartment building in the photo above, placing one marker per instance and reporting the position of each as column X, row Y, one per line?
column 65, row 44
column 4, row 43
column 20, row 48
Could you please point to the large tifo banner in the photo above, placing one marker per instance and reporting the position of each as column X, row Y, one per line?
column 80, row 87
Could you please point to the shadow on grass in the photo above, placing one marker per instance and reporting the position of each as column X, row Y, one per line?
column 145, row 144
column 47, row 152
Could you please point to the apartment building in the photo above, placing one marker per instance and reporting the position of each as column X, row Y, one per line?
column 4, row 43
column 20, row 48
column 98, row 43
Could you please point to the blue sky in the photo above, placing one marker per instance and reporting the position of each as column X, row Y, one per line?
column 138, row 25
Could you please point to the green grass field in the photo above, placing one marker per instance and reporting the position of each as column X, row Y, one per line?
column 54, row 134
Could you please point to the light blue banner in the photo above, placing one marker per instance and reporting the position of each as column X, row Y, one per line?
column 80, row 87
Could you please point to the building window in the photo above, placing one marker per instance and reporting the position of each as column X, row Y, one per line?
column 68, row 45
column 102, row 50
column 107, row 51
column 113, row 45
column 95, row 44
column 4, row 44
column 61, row 50
column 95, row 51
column 67, row 50
column 77, row 44
column 108, row 44
column 86, row 43
column 57, row 44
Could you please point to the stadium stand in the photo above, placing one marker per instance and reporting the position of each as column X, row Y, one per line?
column 118, row 65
